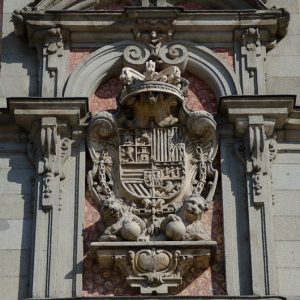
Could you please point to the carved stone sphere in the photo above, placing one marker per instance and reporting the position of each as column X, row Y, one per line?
column 175, row 231
column 131, row 231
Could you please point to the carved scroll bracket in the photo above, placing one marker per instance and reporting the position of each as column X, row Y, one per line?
column 258, row 131
column 52, row 150
column 50, row 138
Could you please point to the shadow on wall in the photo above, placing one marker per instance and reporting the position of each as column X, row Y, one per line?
column 19, row 68
column 16, row 230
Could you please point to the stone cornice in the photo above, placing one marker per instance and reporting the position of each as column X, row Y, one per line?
column 28, row 110
column 278, row 111
column 191, row 25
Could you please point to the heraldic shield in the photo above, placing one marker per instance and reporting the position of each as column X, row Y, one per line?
column 152, row 178
column 152, row 162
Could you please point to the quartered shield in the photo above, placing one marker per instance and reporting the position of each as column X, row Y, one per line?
column 152, row 162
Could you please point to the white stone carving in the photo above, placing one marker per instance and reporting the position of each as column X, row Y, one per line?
column 152, row 176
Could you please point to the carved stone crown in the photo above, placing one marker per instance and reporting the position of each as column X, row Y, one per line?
column 152, row 83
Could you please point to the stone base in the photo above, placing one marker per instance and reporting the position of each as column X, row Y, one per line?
column 154, row 268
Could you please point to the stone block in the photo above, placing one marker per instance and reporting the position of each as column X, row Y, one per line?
column 15, row 206
column 14, row 181
column 294, row 26
column 287, row 228
column 288, row 157
column 288, row 254
column 284, row 66
column 10, row 5
column 289, row 46
column 287, row 203
column 286, row 176
column 15, row 234
column 291, row 5
column 14, row 65
column 14, row 263
column 15, row 161
column 21, row 86
column 13, row 288
column 289, row 279
column 11, row 44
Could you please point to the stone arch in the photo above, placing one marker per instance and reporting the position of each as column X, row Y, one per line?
column 108, row 61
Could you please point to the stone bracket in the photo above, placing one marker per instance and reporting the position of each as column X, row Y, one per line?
column 155, row 267
column 49, row 144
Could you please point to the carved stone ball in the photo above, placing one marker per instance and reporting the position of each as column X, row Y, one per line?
column 175, row 231
column 131, row 231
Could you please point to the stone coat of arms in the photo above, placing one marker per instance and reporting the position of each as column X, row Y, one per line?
column 152, row 174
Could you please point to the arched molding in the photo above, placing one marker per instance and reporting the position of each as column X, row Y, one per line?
column 108, row 61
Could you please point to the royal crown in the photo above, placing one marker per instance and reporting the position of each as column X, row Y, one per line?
column 167, row 81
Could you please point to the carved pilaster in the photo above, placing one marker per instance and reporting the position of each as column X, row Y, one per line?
column 256, row 119
column 58, row 158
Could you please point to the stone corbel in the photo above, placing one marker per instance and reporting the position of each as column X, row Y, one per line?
column 49, row 144
column 257, row 120
column 259, row 132
column 53, row 148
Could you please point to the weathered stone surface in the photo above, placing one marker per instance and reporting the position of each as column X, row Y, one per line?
column 14, row 287
column 289, row 279
column 16, row 181
column 287, row 203
column 15, row 206
column 287, row 228
column 14, row 263
column 286, row 176
column 291, row 5
column 15, row 234
column 288, row 254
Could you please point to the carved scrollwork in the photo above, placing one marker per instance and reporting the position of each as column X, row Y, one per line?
column 152, row 173
column 49, row 151
column 136, row 55
column 174, row 55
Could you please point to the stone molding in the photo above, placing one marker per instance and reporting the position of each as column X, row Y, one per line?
column 107, row 61
column 256, row 121
column 272, row 23
column 56, row 149
column 94, row 4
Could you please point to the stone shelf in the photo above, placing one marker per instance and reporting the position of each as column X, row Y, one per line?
column 155, row 267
